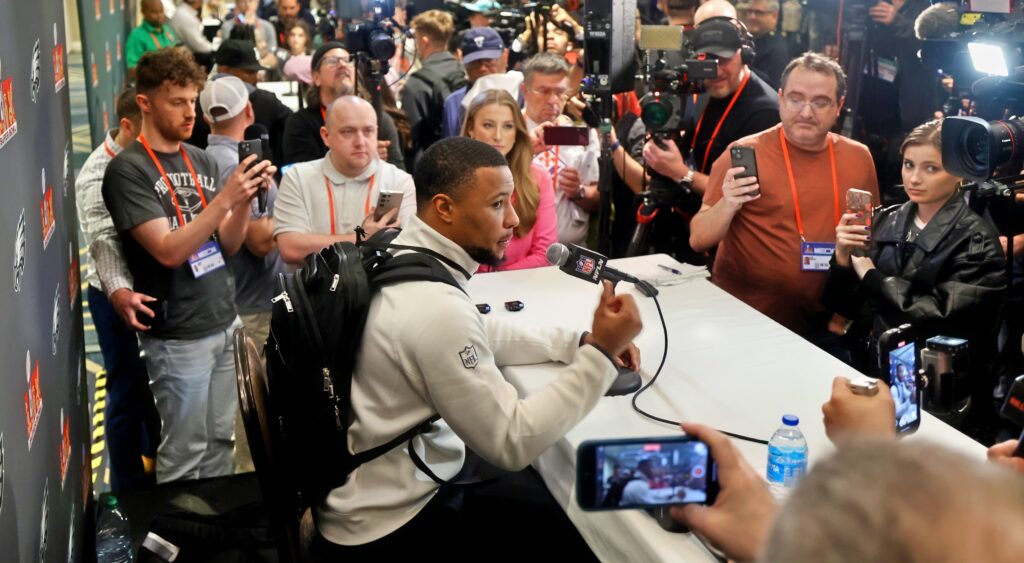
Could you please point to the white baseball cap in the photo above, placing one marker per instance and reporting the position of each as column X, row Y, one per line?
column 226, row 94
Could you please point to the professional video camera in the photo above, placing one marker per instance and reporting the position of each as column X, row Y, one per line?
column 375, row 38
column 661, row 109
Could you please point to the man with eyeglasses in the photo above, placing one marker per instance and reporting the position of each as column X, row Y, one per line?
column 323, row 201
column 761, row 18
column 574, row 170
column 333, row 73
column 776, row 232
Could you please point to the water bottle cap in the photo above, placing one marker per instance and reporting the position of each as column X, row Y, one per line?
column 790, row 419
column 111, row 501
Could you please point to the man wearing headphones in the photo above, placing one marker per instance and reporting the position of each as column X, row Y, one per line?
column 738, row 103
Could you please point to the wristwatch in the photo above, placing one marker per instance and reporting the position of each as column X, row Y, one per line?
column 688, row 179
column 582, row 193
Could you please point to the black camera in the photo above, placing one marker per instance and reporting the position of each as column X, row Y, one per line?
column 974, row 148
column 661, row 109
column 376, row 37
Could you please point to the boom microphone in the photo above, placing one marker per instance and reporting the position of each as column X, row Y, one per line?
column 590, row 266
column 937, row 21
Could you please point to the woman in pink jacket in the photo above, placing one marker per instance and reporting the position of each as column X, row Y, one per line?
column 494, row 118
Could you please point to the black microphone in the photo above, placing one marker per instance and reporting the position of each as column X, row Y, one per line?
column 590, row 266
column 938, row 21
column 1013, row 409
column 253, row 132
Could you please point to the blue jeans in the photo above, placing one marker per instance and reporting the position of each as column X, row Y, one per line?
column 132, row 423
column 193, row 382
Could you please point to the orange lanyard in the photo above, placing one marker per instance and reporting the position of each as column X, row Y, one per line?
column 721, row 120
column 107, row 148
column 155, row 40
column 547, row 164
column 330, row 199
column 323, row 114
column 170, row 186
column 792, row 182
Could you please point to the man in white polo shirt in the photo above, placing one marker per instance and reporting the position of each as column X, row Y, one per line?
column 323, row 201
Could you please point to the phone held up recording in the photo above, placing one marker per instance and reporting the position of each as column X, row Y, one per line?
column 644, row 473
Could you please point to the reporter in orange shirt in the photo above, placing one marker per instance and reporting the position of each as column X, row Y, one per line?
column 774, row 246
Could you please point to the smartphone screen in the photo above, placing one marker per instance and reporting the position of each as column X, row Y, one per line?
column 579, row 136
column 903, row 385
column 645, row 472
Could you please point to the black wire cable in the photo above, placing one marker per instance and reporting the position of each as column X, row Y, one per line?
column 664, row 356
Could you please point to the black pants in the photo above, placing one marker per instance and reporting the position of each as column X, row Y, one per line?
column 512, row 519
column 132, row 422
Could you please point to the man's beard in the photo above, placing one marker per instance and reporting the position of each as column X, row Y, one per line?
column 170, row 132
column 484, row 256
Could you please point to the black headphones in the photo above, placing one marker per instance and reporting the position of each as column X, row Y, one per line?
column 747, row 52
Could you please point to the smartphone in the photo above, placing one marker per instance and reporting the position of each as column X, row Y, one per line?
column 859, row 201
column 386, row 202
column 897, row 351
column 159, row 308
column 557, row 135
column 254, row 147
column 644, row 473
column 744, row 157
column 945, row 362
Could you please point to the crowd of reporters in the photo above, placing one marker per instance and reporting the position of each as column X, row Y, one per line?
column 930, row 260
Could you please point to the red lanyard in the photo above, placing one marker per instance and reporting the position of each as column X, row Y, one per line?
column 721, row 120
column 170, row 186
column 330, row 199
column 107, row 148
column 792, row 182
column 323, row 114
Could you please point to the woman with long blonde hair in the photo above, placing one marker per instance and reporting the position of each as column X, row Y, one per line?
column 494, row 118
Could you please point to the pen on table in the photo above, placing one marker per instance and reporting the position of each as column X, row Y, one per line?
column 673, row 270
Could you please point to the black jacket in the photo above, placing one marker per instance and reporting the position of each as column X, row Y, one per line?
column 423, row 99
column 949, row 281
column 770, row 59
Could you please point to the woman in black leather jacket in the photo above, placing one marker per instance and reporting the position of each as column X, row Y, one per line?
column 930, row 262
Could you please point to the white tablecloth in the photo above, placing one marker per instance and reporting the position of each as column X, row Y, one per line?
column 728, row 366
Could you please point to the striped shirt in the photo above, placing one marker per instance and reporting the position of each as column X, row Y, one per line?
column 106, row 267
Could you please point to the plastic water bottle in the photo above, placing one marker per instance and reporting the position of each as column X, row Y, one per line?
column 113, row 540
column 787, row 457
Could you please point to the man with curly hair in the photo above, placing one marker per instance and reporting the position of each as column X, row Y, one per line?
column 177, row 221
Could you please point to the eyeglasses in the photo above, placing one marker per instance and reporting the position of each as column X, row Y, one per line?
column 335, row 61
column 817, row 104
column 562, row 93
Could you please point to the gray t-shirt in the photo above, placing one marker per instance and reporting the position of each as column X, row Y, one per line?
column 135, row 194
column 254, row 275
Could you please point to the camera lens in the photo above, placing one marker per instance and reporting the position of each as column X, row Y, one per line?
column 655, row 114
column 974, row 148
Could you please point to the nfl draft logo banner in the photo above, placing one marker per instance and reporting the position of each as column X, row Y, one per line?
column 8, row 120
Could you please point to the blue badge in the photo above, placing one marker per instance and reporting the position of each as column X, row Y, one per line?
column 815, row 256
column 207, row 259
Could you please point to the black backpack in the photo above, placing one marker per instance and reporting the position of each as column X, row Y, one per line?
column 316, row 328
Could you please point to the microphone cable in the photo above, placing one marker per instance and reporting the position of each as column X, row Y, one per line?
column 664, row 356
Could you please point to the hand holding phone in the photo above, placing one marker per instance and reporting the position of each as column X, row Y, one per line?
column 741, row 516
column 858, row 202
column 744, row 157
column 854, row 411
column 254, row 147
column 386, row 202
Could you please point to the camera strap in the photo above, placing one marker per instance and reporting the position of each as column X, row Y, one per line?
column 721, row 120
column 792, row 182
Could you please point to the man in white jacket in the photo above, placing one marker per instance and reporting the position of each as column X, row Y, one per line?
column 428, row 350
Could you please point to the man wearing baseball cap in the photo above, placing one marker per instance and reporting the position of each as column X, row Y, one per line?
column 737, row 103
column 238, row 58
column 483, row 53
column 333, row 71
column 228, row 108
